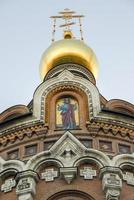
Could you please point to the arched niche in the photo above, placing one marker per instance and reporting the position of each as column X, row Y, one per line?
column 76, row 98
column 49, row 164
column 67, row 113
column 63, row 81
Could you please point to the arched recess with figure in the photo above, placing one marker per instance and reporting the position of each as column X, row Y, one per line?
column 76, row 97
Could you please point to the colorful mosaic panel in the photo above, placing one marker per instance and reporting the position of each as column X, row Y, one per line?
column 67, row 116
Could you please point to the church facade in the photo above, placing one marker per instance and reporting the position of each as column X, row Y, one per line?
column 70, row 142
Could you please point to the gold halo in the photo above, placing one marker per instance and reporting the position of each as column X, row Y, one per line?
column 68, row 51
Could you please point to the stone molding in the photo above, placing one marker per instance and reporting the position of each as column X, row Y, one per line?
column 69, row 67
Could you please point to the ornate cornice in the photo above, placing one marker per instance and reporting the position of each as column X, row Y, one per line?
column 124, row 130
column 20, row 133
column 71, row 67
column 94, row 128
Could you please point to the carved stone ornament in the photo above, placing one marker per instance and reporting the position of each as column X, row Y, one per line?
column 25, row 196
column 129, row 178
column 8, row 185
column 112, row 194
column 68, row 153
column 88, row 173
column 68, row 173
column 111, row 182
column 112, row 185
column 24, row 184
column 49, row 175
column 26, row 188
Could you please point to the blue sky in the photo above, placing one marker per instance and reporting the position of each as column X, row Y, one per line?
column 25, row 33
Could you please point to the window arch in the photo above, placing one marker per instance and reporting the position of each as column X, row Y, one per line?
column 70, row 195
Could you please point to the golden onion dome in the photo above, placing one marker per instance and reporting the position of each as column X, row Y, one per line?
column 68, row 51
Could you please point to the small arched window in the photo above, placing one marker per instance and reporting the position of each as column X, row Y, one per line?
column 67, row 113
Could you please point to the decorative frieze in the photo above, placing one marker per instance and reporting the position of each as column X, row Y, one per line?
column 117, row 129
column 88, row 173
column 129, row 178
column 19, row 132
column 8, row 185
column 49, row 175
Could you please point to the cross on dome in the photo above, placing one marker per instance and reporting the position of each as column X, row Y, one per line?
column 67, row 16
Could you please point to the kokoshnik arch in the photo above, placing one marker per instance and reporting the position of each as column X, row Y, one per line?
column 69, row 142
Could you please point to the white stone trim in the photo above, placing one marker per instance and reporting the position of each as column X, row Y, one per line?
column 66, row 77
column 123, row 160
column 129, row 178
column 8, row 185
column 88, row 173
column 49, row 175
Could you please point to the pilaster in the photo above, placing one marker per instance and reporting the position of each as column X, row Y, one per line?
column 111, row 182
column 26, row 187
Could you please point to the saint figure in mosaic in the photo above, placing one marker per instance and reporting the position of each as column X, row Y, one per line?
column 67, row 112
